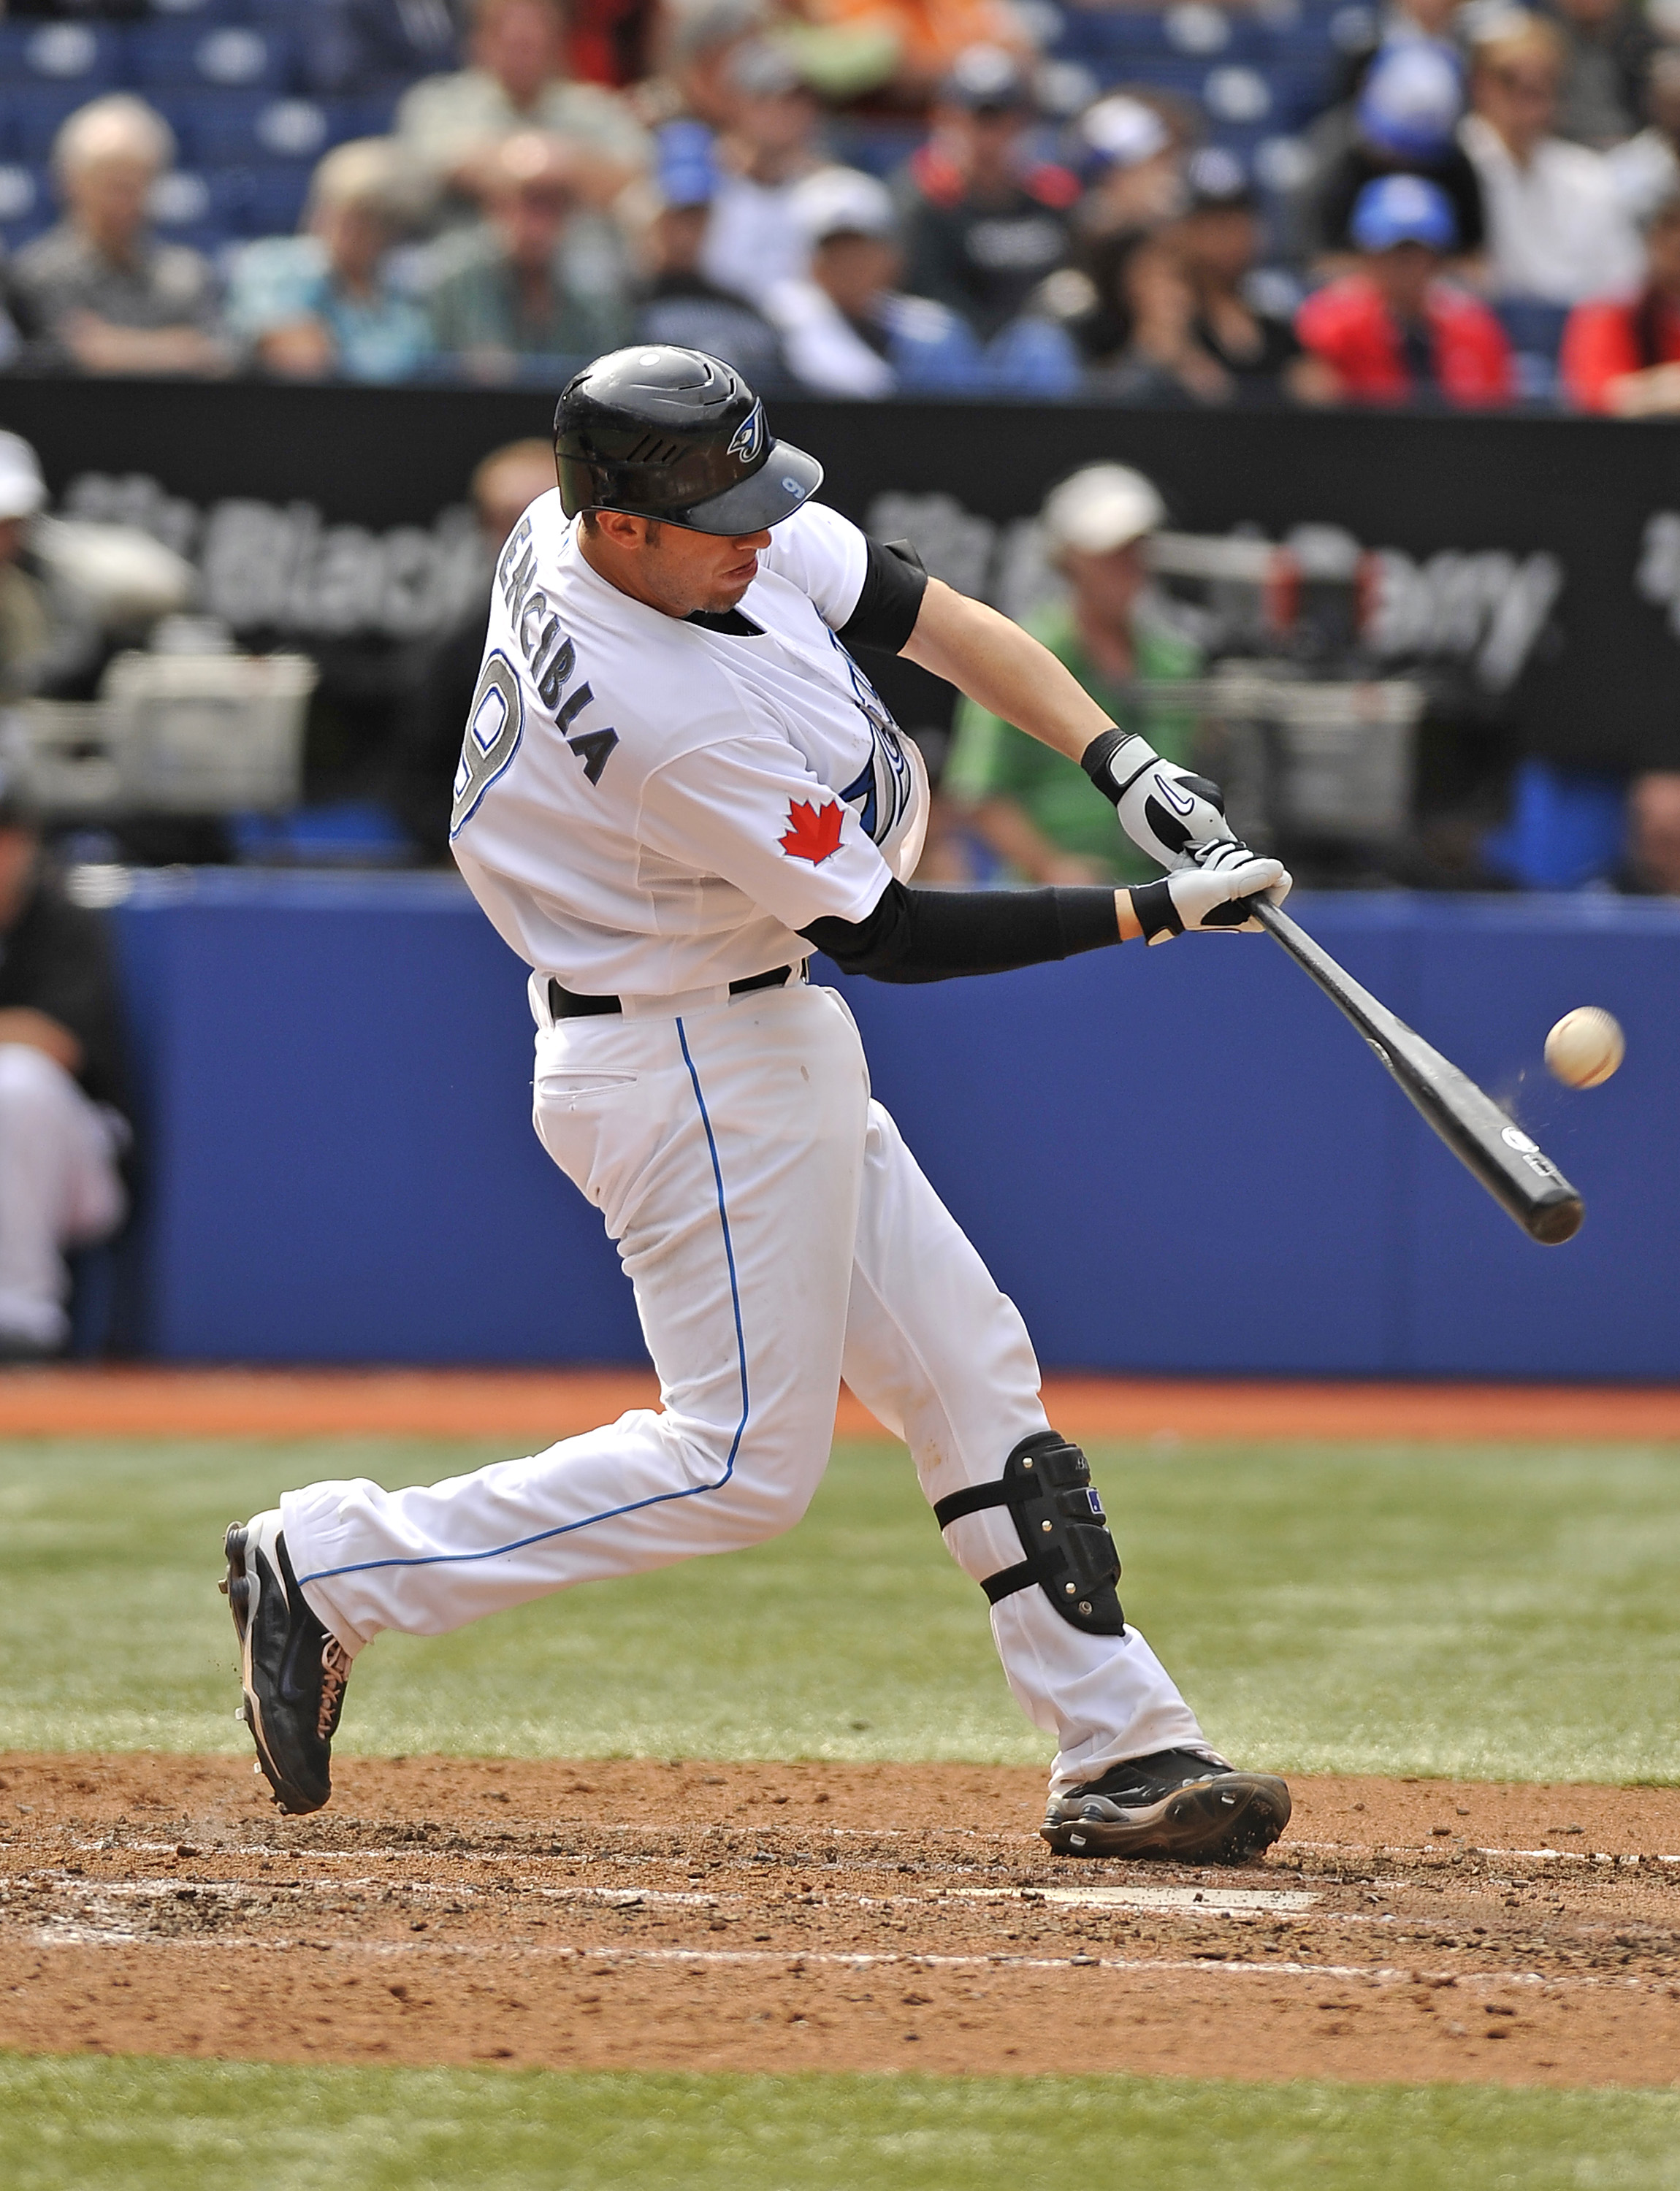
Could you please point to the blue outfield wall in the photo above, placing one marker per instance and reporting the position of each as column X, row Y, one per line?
column 1174, row 1160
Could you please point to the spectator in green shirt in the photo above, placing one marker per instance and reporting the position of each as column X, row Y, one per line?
column 1033, row 808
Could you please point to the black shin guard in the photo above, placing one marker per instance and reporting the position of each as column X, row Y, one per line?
column 1069, row 1554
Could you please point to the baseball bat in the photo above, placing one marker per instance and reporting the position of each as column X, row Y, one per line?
column 1524, row 1181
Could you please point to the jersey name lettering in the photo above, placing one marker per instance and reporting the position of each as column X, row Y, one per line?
column 550, row 654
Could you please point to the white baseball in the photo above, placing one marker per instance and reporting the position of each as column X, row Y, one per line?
column 1585, row 1047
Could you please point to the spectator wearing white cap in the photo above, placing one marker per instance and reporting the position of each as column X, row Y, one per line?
column 99, row 292
column 846, row 329
column 318, row 305
column 1556, row 229
column 1030, row 807
column 1134, row 167
column 1405, row 121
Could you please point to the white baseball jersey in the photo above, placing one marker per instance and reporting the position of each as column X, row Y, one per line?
column 647, row 806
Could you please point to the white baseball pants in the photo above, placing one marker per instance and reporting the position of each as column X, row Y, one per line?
column 778, row 1234
column 59, row 1188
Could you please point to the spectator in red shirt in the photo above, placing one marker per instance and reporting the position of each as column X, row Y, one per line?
column 1394, row 332
column 1625, row 358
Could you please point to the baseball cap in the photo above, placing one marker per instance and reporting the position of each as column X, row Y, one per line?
column 1217, row 181
column 986, row 80
column 22, row 489
column 1122, row 132
column 1403, row 209
column 1411, row 101
column 843, row 202
column 1101, row 507
column 685, row 173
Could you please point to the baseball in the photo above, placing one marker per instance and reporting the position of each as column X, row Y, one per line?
column 1585, row 1047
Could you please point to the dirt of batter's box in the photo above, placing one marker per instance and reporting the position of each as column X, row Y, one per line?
column 690, row 1915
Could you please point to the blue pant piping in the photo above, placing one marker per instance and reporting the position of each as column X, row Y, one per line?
column 659, row 1498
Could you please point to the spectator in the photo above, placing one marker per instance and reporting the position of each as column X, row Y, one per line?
column 366, row 46
column 701, row 46
column 517, row 83
column 501, row 301
column 61, row 1125
column 1647, row 168
column 318, row 305
column 1652, row 865
column 1607, row 47
column 929, row 37
column 1234, row 322
column 441, row 673
column 1151, row 308
column 754, row 238
column 1395, row 331
column 985, row 222
column 1556, row 231
column 846, row 329
column 1033, row 808
column 1404, row 121
column 1624, row 357
column 1136, row 182
column 679, row 304
column 99, row 292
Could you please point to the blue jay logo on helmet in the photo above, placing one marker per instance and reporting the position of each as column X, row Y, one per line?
column 748, row 435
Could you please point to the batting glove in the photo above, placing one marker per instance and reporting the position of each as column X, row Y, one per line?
column 1218, row 892
column 1166, row 811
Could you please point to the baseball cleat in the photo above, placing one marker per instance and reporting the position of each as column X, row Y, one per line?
column 292, row 1669
column 1174, row 1805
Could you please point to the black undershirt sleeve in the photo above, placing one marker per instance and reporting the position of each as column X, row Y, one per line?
column 890, row 603
column 929, row 934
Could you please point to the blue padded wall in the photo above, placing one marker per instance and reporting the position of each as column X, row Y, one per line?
column 1177, row 1160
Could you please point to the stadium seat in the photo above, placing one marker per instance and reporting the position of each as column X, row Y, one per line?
column 225, row 56
column 26, row 204
column 1535, row 331
column 201, row 11
column 202, row 207
column 85, row 56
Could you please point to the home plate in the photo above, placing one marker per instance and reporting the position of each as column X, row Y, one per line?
column 1214, row 1900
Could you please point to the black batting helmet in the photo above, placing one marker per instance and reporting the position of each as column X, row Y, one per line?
column 672, row 433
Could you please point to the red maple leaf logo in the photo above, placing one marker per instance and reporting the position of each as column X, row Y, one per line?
column 813, row 832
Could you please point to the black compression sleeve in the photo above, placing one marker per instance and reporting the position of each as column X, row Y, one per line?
column 889, row 605
column 931, row 935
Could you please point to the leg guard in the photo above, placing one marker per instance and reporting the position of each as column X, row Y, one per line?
column 1047, row 1487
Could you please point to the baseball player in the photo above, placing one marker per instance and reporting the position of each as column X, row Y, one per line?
column 676, row 783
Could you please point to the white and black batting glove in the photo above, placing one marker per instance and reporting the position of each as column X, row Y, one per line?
column 1217, row 891
column 1167, row 811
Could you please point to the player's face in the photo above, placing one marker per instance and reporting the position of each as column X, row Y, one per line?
column 683, row 571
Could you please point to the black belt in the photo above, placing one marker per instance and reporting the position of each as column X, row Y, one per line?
column 563, row 1005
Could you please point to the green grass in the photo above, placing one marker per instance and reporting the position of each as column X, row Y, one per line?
column 91, row 2124
column 1486, row 1612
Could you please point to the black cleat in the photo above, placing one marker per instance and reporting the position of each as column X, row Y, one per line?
column 293, row 1670
column 1174, row 1804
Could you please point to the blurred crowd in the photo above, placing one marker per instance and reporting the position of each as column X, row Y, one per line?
column 1451, row 204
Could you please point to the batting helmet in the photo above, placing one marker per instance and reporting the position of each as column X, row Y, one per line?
column 672, row 433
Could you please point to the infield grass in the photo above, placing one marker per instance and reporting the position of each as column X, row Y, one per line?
column 1491, row 1613
column 85, row 2123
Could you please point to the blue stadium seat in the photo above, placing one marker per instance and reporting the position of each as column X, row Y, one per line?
column 201, row 11
column 225, row 56
column 85, row 57
column 26, row 204
column 200, row 207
